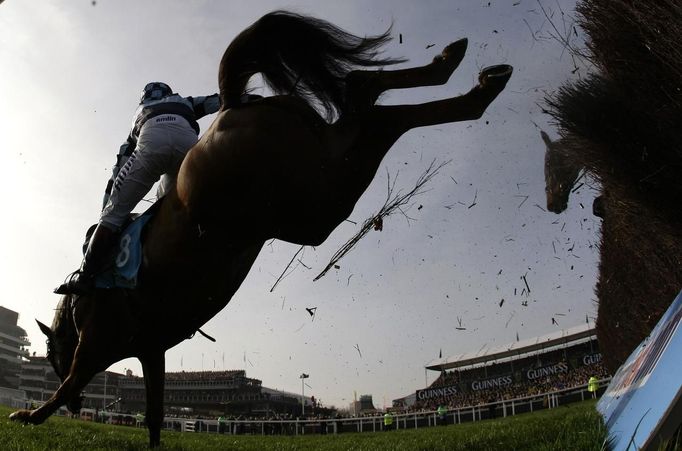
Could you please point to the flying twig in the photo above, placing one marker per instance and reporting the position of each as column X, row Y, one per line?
column 474, row 201
column 525, row 198
column 526, row 282
column 393, row 203
column 285, row 269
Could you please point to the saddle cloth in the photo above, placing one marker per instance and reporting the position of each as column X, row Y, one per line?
column 127, row 257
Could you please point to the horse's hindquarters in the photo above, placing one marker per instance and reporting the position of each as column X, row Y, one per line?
column 263, row 171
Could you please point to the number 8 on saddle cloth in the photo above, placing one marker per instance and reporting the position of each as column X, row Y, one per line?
column 125, row 259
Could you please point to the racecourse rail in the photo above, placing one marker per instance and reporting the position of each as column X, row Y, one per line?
column 410, row 420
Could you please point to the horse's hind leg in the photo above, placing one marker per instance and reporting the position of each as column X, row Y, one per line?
column 469, row 106
column 153, row 366
column 364, row 87
column 382, row 126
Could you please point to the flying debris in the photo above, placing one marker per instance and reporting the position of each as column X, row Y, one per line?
column 521, row 196
column 526, row 282
column 474, row 201
column 393, row 203
column 285, row 269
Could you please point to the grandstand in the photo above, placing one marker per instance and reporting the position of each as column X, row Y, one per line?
column 13, row 348
column 557, row 361
column 38, row 379
column 211, row 393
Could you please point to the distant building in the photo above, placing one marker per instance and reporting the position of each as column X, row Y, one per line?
column 103, row 391
column 13, row 348
column 207, row 393
column 364, row 406
column 38, row 379
column 211, row 393
column 30, row 380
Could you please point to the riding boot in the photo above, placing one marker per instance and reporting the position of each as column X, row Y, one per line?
column 83, row 281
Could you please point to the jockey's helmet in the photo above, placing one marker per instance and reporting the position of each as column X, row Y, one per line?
column 155, row 91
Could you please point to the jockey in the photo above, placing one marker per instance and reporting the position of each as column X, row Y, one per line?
column 164, row 129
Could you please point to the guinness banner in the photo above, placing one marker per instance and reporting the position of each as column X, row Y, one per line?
column 493, row 382
column 591, row 359
column 549, row 370
column 438, row 392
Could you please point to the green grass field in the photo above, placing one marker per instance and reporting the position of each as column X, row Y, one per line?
column 574, row 427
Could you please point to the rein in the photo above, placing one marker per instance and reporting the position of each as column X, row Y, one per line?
column 205, row 335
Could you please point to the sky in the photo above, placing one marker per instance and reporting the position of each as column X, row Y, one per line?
column 432, row 281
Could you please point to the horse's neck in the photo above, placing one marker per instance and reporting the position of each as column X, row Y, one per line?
column 63, row 322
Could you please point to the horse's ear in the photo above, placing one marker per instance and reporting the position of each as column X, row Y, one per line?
column 545, row 138
column 46, row 330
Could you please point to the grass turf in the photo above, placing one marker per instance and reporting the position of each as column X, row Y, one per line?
column 573, row 427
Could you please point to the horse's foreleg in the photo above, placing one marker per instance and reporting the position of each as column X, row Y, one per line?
column 153, row 366
column 364, row 87
column 469, row 106
column 80, row 374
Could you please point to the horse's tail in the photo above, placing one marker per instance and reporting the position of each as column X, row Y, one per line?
column 298, row 55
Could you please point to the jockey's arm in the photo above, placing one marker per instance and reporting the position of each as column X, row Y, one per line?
column 205, row 105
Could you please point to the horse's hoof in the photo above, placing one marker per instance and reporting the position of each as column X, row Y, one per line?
column 21, row 415
column 455, row 51
column 495, row 75
column 445, row 64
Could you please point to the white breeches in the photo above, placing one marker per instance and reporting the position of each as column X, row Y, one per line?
column 163, row 142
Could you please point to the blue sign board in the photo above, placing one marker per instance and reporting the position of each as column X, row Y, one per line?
column 642, row 405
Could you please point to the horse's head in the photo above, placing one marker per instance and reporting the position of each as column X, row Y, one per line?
column 62, row 339
column 560, row 174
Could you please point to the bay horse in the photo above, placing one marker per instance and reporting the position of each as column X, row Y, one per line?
column 271, row 168
column 561, row 174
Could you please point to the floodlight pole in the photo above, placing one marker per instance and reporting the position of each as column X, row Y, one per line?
column 303, row 377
